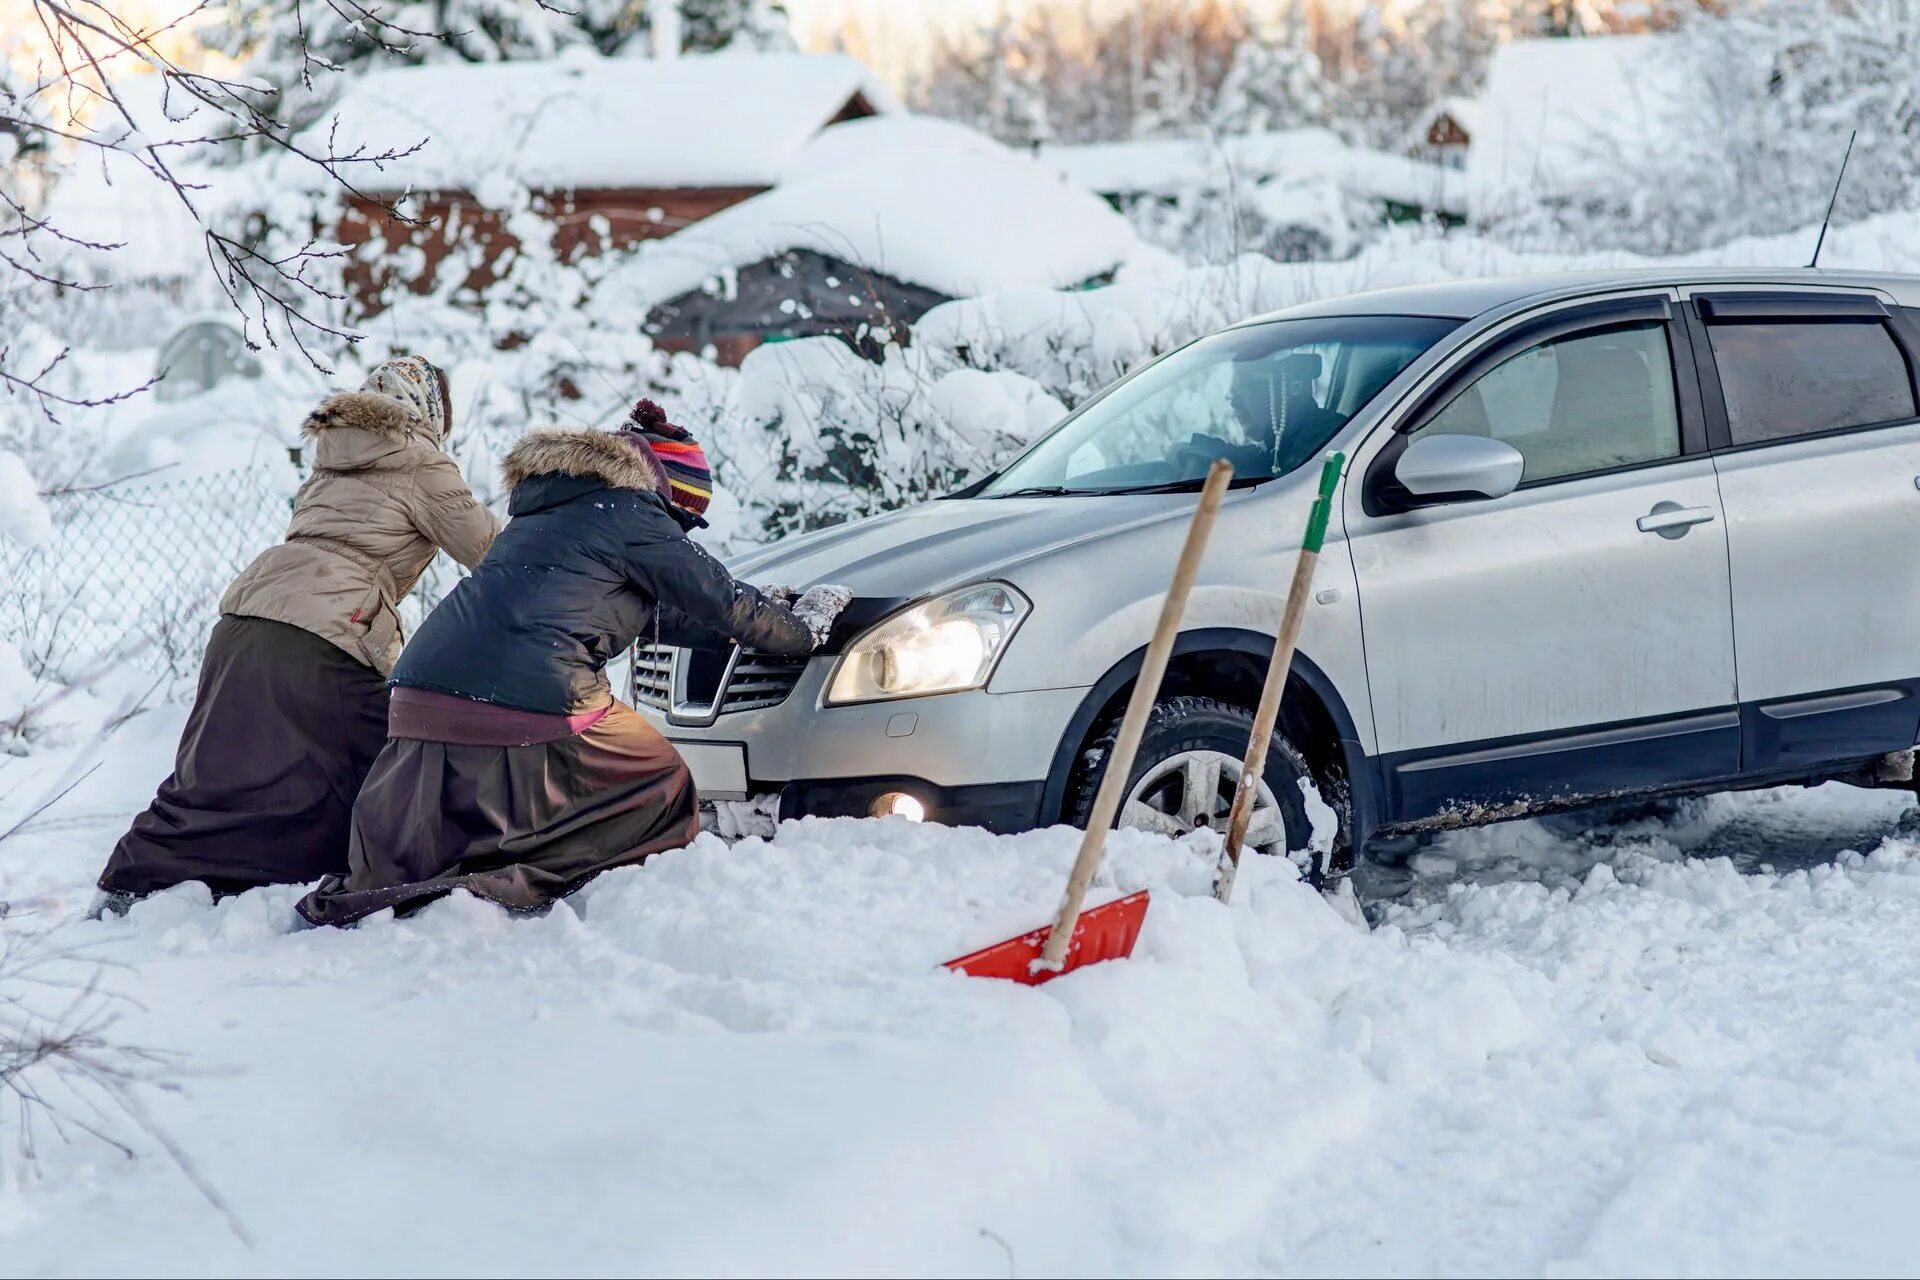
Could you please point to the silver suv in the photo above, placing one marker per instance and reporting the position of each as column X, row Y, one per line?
column 1601, row 535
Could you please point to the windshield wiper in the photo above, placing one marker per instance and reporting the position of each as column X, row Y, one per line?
column 1168, row 486
column 1177, row 486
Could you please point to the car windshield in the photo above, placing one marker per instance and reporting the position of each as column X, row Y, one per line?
column 1266, row 398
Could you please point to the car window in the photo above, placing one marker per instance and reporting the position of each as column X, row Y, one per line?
column 1265, row 397
column 1574, row 405
column 1787, row 378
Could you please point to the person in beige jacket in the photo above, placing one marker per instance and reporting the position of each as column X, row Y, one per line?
column 292, row 703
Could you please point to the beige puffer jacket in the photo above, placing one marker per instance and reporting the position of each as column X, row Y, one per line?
column 383, row 497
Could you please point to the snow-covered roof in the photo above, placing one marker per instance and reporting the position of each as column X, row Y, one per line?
column 1557, row 114
column 925, row 201
column 581, row 121
column 1291, row 157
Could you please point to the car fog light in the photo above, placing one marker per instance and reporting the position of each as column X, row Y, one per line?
column 898, row 804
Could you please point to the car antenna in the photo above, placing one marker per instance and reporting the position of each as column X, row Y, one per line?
column 1834, row 198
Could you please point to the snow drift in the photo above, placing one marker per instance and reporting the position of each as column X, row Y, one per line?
column 1578, row 1054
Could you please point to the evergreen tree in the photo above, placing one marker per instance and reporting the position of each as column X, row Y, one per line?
column 757, row 26
column 1272, row 85
column 292, row 44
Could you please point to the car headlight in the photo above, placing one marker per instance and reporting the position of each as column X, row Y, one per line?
column 943, row 646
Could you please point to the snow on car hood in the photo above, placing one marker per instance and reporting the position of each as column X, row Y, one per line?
column 919, row 550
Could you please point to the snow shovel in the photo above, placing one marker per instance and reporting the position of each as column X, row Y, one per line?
column 1109, row 931
column 1268, row 712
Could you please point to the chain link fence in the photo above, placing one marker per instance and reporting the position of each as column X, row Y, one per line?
column 137, row 569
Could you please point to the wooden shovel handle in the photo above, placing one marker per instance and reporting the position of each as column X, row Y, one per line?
column 1126, row 744
column 1267, row 714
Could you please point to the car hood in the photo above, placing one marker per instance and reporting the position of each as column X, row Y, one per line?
column 920, row 550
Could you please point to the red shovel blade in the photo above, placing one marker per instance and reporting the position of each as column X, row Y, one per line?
column 1106, row 932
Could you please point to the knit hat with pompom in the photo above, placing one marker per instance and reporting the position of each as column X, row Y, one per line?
column 685, row 478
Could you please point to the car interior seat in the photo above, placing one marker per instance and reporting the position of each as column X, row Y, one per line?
column 1603, row 411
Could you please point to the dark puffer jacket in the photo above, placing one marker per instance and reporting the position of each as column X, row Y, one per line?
column 591, row 559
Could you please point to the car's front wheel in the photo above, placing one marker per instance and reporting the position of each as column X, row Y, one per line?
column 1187, row 770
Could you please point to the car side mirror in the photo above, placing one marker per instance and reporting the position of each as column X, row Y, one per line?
column 1454, row 468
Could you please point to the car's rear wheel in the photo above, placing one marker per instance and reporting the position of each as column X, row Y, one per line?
column 1187, row 769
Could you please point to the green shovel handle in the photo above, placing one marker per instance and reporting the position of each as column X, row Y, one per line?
column 1323, row 504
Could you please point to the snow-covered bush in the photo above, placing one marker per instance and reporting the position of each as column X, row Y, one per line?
column 24, row 517
column 24, row 522
column 815, row 434
column 1073, row 343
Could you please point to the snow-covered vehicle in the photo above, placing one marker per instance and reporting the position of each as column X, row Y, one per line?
column 1600, row 536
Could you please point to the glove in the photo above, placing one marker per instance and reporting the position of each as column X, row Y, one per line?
column 818, row 608
column 780, row 594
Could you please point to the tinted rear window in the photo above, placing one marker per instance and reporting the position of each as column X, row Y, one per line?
column 1797, row 377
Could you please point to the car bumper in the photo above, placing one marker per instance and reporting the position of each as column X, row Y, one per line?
column 976, row 758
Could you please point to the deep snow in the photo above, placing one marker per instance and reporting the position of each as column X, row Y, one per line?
column 1560, row 1051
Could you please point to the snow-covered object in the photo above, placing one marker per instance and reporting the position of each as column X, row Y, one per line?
column 994, row 413
column 1297, row 194
column 814, row 434
column 1640, row 1052
column 23, row 515
column 18, row 691
column 1558, row 115
column 707, row 120
column 923, row 201
column 1174, row 168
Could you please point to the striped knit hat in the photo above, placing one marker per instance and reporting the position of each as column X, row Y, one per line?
column 680, row 463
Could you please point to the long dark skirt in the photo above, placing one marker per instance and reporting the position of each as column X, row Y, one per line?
column 283, row 730
column 518, row 825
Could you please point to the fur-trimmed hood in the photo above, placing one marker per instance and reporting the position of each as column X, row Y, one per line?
column 588, row 455
column 359, row 410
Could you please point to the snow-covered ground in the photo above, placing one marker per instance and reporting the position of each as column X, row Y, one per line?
column 1677, row 1045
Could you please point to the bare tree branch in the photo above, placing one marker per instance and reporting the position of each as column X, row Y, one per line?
column 279, row 295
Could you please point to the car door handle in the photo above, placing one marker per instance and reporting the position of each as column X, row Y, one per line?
column 1671, row 520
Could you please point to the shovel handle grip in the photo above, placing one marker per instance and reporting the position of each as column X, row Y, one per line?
column 1323, row 502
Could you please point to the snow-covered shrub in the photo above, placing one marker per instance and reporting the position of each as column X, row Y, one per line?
column 1074, row 343
column 24, row 518
column 817, row 434
column 24, row 522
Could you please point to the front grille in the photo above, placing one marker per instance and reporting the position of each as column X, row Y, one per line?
column 758, row 680
column 652, row 676
column 761, row 680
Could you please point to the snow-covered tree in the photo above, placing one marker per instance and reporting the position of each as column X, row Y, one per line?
column 1091, row 75
column 757, row 26
column 124, row 102
column 1274, row 84
column 288, row 42
column 1756, row 113
column 1016, row 96
column 1835, row 66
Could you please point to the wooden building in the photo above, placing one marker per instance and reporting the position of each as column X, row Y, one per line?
column 879, row 221
column 608, row 152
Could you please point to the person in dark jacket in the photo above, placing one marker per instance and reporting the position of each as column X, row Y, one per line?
column 511, row 770
column 292, row 704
